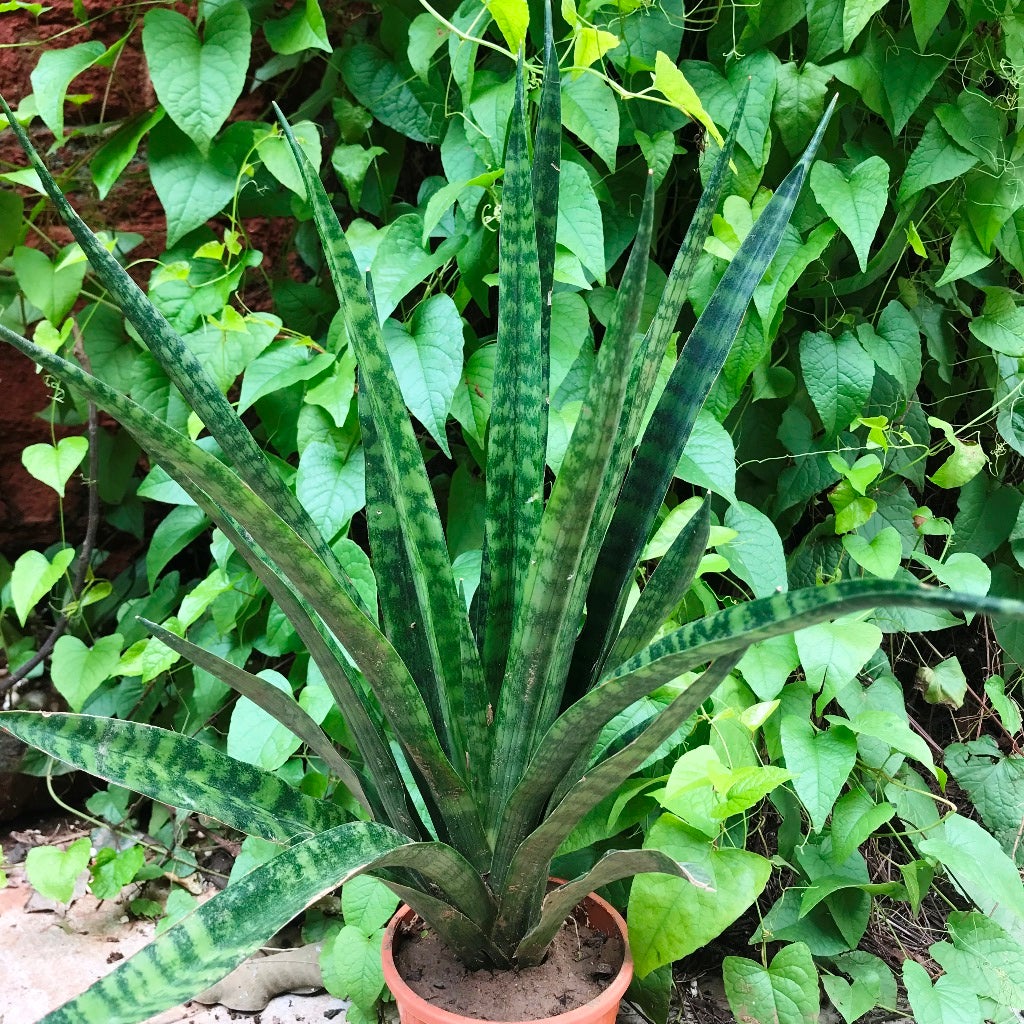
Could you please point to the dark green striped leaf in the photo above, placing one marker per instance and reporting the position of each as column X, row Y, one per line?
column 279, row 705
column 597, row 630
column 176, row 770
column 212, row 940
column 438, row 607
column 666, row 587
column 461, row 934
column 388, row 677
column 534, row 854
column 515, row 445
column 701, row 361
column 718, row 635
column 560, row 902
column 543, row 634
column 547, row 155
column 383, row 784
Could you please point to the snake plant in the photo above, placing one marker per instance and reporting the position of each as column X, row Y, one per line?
column 473, row 729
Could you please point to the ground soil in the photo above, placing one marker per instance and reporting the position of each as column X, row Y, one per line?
column 580, row 964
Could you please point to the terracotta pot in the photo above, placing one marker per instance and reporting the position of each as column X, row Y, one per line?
column 414, row 1009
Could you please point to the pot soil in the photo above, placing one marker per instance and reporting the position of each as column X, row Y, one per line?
column 587, row 971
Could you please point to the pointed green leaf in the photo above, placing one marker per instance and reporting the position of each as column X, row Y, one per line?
column 786, row 992
column 53, row 74
column 855, row 201
column 666, row 587
column 214, row 938
column 671, row 917
column 669, row 428
column 33, row 576
column 198, row 80
column 546, row 173
column 409, row 490
column 543, row 629
column 533, row 854
column 175, row 770
column 562, row 900
column 515, row 447
column 117, row 152
column 607, row 565
column 54, row 464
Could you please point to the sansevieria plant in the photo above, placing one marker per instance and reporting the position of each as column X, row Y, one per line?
column 473, row 729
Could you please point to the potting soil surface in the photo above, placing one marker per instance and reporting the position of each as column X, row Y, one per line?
column 579, row 965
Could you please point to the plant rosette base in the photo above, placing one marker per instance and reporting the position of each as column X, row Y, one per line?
column 594, row 912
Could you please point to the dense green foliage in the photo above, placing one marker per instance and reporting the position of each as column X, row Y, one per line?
column 869, row 400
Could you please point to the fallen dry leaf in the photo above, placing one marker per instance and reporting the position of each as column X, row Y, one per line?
column 253, row 984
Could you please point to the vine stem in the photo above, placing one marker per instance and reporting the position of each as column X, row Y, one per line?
column 88, row 542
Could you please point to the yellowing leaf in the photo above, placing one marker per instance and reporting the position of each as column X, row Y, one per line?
column 914, row 241
column 591, row 45
column 512, row 18
column 672, row 83
column 966, row 462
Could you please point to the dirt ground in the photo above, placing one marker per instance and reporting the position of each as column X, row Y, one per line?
column 50, row 952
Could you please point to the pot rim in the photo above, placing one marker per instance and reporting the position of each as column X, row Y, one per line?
column 427, row 1011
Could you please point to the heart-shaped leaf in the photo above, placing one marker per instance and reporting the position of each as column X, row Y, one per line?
column 873, row 985
column 427, row 356
column 32, row 577
column 786, row 992
column 302, row 28
column 512, row 18
column 672, row 83
column 894, row 344
column 832, row 653
column 670, row 917
column 192, row 187
column 77, row 670
column 54, row 464
column 52, row 872
column 880, row 555
column 838, row 374
column 944, row 684
column 352, row 966
column 855, row 202
column 331, row 487
column 966, row 462
column 951, row 1000
column 856, row 14
column 198, row 79
column 274, row 151
column 53, row 291
column 820, row 762
column 53, row 74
